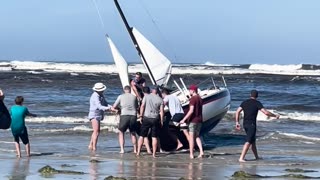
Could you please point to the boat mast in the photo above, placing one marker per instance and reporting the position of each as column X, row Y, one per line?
column 129, row 29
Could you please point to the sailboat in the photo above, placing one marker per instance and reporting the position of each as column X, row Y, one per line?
column 216, row 100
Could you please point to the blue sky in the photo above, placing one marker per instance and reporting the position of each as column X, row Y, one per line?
column 224, row 31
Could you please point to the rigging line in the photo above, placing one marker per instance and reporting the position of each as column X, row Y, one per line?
column 158, row 29
column 99, row 14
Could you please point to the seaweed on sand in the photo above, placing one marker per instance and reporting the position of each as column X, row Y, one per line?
column 49, row 171
column 245, row 175
column 298, row 170
column 114, row 178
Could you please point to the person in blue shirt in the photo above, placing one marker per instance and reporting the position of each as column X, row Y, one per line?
column 98, row 105
column 19, row 130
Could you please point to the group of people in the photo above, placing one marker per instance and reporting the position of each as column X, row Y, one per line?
column 145, row 107
column 15, row 118
column 142, row 112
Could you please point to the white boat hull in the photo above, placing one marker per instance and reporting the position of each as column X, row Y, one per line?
column 216, row 103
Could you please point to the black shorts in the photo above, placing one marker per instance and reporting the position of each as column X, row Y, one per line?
column 150, row 123
column 177, row 117
column 127, row 121
column 23, row 136
column 251, row 132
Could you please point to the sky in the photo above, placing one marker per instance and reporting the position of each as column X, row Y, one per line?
column 216, row 31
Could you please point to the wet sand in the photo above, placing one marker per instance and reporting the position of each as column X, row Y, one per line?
column 220, row 162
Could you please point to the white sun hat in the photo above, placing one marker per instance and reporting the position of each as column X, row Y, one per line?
column 99, row 87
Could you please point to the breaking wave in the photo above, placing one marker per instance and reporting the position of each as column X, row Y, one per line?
column 207, row 68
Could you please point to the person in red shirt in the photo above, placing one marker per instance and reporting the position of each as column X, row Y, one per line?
column 194, row 117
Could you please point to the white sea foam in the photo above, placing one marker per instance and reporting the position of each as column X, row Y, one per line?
column 111, row 120
column 208, row 63
column 276, row 67
column 207, row 68
column 80, row 128
column 299, row 116
column 299, row 136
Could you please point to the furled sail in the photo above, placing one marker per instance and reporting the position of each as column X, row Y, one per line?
column 121, row 64
column 159, row 65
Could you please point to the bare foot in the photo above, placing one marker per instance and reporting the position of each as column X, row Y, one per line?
column 242, row 160
column 121, row 152
column 138, row 155
column 149, row 152
column 28, row 155
column 90, row 147
column 154, row 156
column 18, row 156
column 191, row 157
column 179, row 147
column 200, row 156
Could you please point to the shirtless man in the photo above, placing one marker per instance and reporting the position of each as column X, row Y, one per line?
column 250, row 107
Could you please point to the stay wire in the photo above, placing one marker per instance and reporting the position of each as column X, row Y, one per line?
column 99, row 14
column 158, row 29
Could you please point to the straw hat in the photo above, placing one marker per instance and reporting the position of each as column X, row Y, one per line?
column 99, row 87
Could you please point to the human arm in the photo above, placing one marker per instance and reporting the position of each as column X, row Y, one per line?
column 161, row 114
column 115, row 105
column 239, row 110
column 30, row 114
column 188, row 115
column 269, row 114
column 96, row 100
column 134, row 88
column 142, row 108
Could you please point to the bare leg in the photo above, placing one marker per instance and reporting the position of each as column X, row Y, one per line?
column 147, row 144
column 186, row 133
column 140, row 142
column 245, row 149
column 154, row 146
column 134, row 142
column 159, row 145
column 121, row 142
column 18, row 149
column 28, row 149
column 191, row 144
column 199, row 143
column 254, row 150
column 95, row 134
column 179, row 144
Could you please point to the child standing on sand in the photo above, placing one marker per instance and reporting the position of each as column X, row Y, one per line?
column 19, row 130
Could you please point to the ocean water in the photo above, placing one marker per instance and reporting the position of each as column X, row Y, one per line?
column 59, row 94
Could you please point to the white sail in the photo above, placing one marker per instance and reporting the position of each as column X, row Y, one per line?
column 159, row 65
column 121, row 64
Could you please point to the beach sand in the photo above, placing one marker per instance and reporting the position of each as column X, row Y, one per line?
column 220, row 162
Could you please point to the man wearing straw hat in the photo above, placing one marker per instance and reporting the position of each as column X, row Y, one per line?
column 98, row 105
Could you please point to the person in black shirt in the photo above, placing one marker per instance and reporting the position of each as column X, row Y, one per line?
column 137, row 84
column 250, row 107
column 5, row 118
